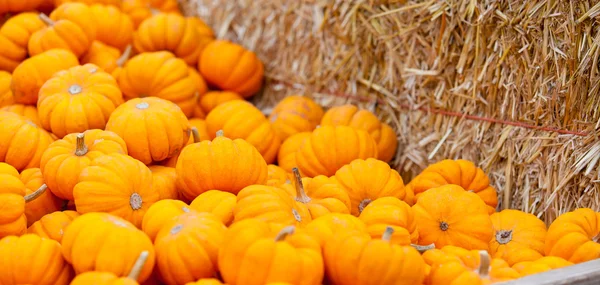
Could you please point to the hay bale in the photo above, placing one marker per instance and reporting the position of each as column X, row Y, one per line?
column 512, row 85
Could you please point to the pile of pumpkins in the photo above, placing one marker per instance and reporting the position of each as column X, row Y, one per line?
column 129, row 155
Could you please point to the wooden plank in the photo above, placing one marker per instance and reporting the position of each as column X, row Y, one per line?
column 586, row 273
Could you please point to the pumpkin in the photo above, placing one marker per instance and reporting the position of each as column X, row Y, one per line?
column 212, row 99
column 163, row 182
column 574, row 236
column 455, row 272
column 113, row 27
column 78, row 13
column 53, row 225
column 118, row 184
column 10, row 180
column 286, row 157
column 356, row 258
column 32, row 73
column 277, row 176
column 78, row 99
column 140, row 10
column 382, row 133
column 184, row 39
column 199, row 134
column 231, row 67
column 20, row 254
column 329, row 148
column 327, row 226
column 116, row 3
column 449, row 215
column 55, row 36
column 391, row 212
column 540, row 265
column 14, row 36
column 13, row 220
column 206, row 281
column 106, row 57
column 223, row 164
column 219, row 203
column 6, row 96
column 201, row 89
column 28, row 111
column 64, row 159
column 241, row 120
column 94, row 241
column 46, row 203
column 460, row 172
column 154, row 129
column 22, row 141
column 160, row 213
column 518, row 236
column 108, row 278
column 255, row 252
column 295, row 114
column 192, row 241
column 270, row 204
column 159, row 74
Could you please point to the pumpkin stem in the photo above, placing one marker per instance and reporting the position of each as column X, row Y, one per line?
column 46, row 19
column 134, row 274
column 503, row 236
column 135, row 201
column 195, row 134
column 80, row 148
column 423, row 248
column 444, row 226
column 596, row 238
column 363, row 204
column 75, row 89
column 387, row 235
column 220, row 133
column 36, row 193
column 285, row 232
column 124, row 56
column 484, row 264
column 300, row 194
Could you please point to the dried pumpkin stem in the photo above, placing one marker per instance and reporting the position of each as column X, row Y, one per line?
column 220, row 133
column 36, row 193
column 195, row 134
column 300, row 193
column 124, row 57
column 423, row 248
column 363, row 204
column 503, row 236
column 285, row 232
column 134, row 274
column 596, row 238
column 80, row 146
column 444, row 226
column 484, row 264
column 387, row 235
column 135, row 201
column 46, row 19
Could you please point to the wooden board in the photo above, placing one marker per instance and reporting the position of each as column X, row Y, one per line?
column 586, row 273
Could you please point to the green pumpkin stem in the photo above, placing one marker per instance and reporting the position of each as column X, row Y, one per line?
column 80, row 146
column 300, row 193
column 423, row 248
column 195, row 134
column 285, row 232
column 387, row 235
column 484, row 264
column 124, row 56
column 36, row 193
column 46, row 19
column 134, row 274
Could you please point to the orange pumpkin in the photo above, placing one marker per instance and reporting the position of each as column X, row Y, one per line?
column 160, row 213
column 295, row 114
column 277, row 176
column 22, row 141
column 22, row 252
column 391, row 212
column 163, row 182
column 212, row 99
column 80, row 14
column 240, row 119
column 449, row 215
column 325, row 227
column 382, row 133
column 192, row 241
column 113, row 27
column 78, row 99
column 460, row 172
column 219, row 203
column 19, row 6
column 223, row 164
column 13, row 220
column 154, row 129
column 145, row 75
column 93, row 241
column 286, row 157
column 46, row 203
column 64, row 159
column 55, row 36
column 116, row 3
column 231, row 67
column 201, row 89
column 118, row 184
column 199, row 134
column 574, row 236
column 479, row 270
column 28, row 111
column 32, row 73
column 108, row 278
column 140, row 10
column 106, row 57
column 207, row 281
column 10, row 180
column 540, row 265
column 329, row 148
column 14, row 36
column 518, row 236
column 6, row 96
column 53, row 225
column 255, row 252
column 184, row 39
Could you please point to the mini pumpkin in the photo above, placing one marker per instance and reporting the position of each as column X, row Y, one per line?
column 78, row 99
column 93, row 241
column 295, row 114
column 140, row 10
column 163, row 181
column 28, row 111
column 329, row 148
column 108, row 278
column 277, row 176
column 118, row 184
column 184, row 39
column 391, row 212
column 6, row 96
column 231, row 67
column 22, row 252
column 518, row 236
column 327, row 226
column 80, row 14
column 382, row 133
column 116, row 3
column 160, row 213
column 255, row 252
column 64, row 159
column 356, row 258
column 241, row 120
column 53, row 225
column 23, row 142
column 201, row 89
column 192, row 241
column 10, row 180
column 14, row 36
column 487, row 271
column 219, row 203
column 460, row 172
column 46, row 203
column 113, row 27
column 154, row 129
column 199, row 134
column 223, row 164
column 32, row 73
column 574, row 236
column 207, row 281
column 540, row 265
column 55, row 36
column 159, row 74
column 212, row 99
column 108, row 58
column 286, row 157
column 449, row 215
column 13, row 220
